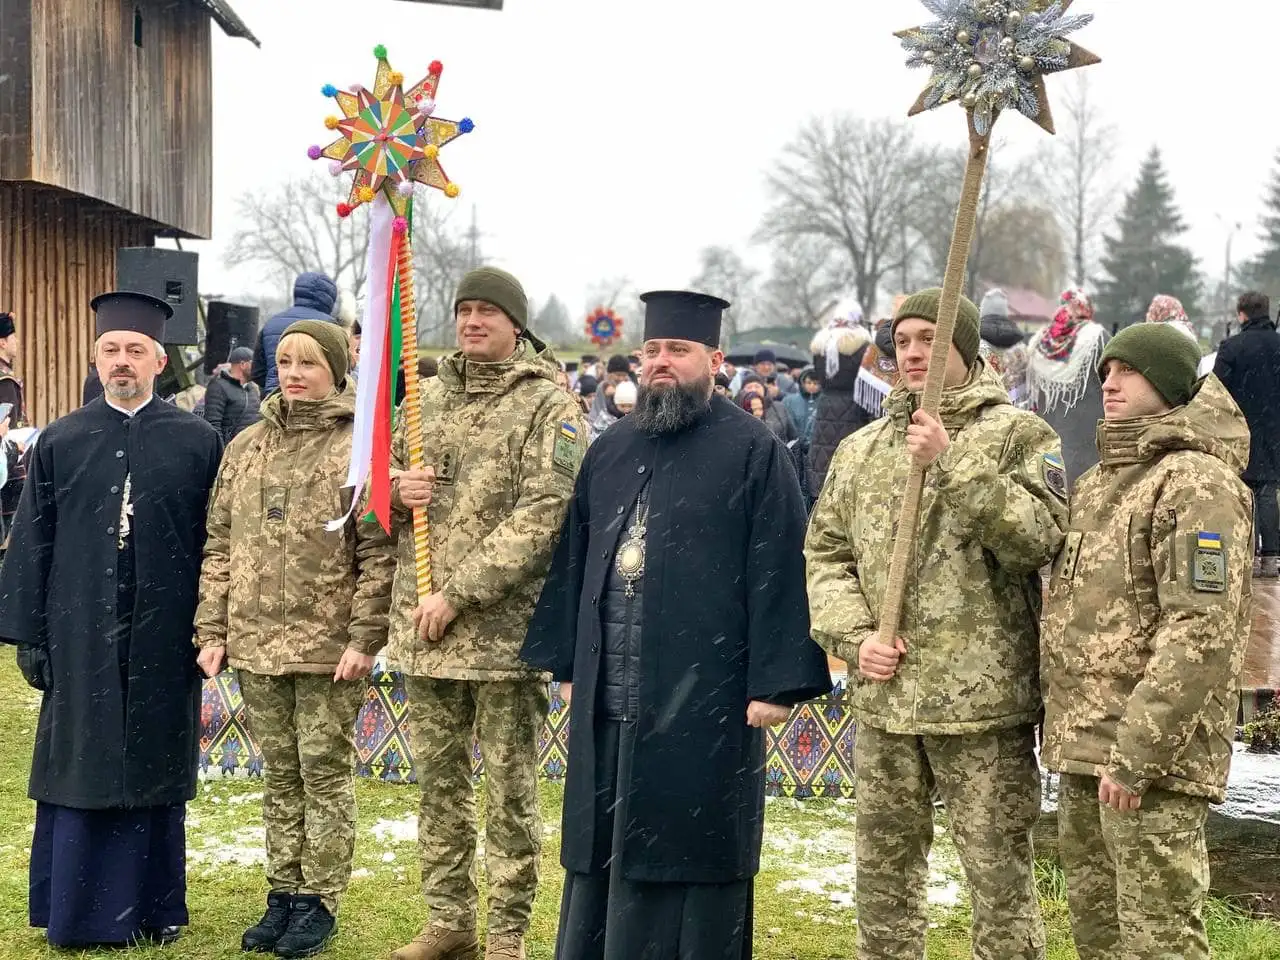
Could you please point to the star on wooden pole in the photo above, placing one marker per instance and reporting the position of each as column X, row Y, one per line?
column 993, row 55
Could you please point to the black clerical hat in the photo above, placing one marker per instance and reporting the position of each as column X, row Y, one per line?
column 681, row 315
column 7, row 327
column 127, row 310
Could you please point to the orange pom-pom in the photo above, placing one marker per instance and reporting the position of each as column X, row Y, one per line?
column 331, row 123
column 396, row 78
column 451, row 190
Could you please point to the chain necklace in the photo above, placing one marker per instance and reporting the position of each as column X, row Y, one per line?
column 126, row 511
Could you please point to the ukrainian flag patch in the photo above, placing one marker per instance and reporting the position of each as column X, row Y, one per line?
column 1055, row 475
column 1208, row 541
column 569, row 431
column 566, row 455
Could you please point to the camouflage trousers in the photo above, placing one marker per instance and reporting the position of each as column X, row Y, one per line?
column 304, row 725
column 505, row 716
column 990, row 783
column 1136, row 881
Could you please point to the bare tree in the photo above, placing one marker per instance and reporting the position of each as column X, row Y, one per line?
column 723, row 273
column 851, row 182
column 807, row 274
column 1016, row 240
column 293, row 228
column 1077, row 173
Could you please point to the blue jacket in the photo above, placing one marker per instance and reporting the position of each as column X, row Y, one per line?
column 314, row 295
column 801, row 406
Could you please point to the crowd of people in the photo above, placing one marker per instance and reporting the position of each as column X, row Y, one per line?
column 679, row 544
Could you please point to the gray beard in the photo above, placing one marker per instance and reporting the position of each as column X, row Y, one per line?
column 131, row 392
column 671, row 409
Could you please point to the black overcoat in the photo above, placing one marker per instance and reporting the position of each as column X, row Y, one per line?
column 725, row 621
column 1248, row 365
column 109, row 737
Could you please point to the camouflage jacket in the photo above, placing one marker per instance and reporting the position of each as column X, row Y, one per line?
column 1149, row 607
column 992, row 515
column 506, row 443
column 282, row 593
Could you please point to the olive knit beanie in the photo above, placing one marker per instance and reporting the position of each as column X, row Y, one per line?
column 1168, row 360
column 499, row 288
column 924, row 306
column 333, row 344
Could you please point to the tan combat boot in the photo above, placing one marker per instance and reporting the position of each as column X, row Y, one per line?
column 437, row 943
column 504, row 946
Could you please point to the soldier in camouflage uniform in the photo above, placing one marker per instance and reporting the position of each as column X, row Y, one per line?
column 504, row 444
column 299, row 611
column 954, row 702
column 1144, row 637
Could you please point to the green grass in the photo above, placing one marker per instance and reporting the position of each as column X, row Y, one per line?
column 803, row 894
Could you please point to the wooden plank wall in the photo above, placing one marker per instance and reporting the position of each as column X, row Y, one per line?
column 57, row 252
column 130, row 125
column 15, row 89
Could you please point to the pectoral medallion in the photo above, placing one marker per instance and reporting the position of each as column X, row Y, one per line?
column 630, row 559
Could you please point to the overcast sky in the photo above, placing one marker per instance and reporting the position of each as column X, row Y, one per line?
column 619, row 137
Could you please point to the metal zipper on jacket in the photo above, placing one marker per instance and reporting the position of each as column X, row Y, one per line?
column 626, row 659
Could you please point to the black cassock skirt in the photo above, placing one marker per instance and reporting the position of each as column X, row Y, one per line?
column 103, row 876
column 604, row 916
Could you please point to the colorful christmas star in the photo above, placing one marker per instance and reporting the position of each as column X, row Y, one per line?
column 390, row 137
column 993, row 55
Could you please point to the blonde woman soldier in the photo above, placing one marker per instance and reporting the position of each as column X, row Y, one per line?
column 300, row 611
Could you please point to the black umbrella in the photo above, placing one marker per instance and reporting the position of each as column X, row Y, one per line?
column 744, row 354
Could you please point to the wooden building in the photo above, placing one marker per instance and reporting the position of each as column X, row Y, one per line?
column 105, row 142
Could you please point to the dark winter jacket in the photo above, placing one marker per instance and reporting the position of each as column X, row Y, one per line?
column 837, row 415
column 314, row 295
column 230, row 406
column 620, row 631
column 1248, row 364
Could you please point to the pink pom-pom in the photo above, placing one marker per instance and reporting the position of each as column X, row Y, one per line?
column 405, row 189
column 400, row 225
column 313, row 152
column 335, row 168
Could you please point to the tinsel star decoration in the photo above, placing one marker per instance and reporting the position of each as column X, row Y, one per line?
column 993, row 55
column 390, row 137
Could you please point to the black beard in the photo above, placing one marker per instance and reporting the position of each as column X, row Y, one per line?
column 671, row 409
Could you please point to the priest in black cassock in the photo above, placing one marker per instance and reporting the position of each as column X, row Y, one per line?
column 98, row 592
column 675, row 617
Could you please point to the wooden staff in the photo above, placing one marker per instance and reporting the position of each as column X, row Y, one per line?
column 411, row 410
column 952, row 286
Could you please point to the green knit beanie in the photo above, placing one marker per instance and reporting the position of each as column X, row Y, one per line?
column 1162, row 354
column 924, row 306
column 499, row 288
column 333, row 344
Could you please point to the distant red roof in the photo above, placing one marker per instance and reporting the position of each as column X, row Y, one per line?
column 1027, row 306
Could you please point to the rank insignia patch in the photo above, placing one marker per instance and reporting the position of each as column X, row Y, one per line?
column 1055, row 475
column 1209, row 563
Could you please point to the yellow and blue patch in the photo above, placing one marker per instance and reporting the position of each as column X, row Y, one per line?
column 1209, row 563
column 1055, row 475
column 566, row 455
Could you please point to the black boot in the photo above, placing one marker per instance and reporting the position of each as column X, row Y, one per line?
column 263, row 937
column 311, row 927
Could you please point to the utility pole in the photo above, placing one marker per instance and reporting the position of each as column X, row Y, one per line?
column 1229, row 304
column 474, row 235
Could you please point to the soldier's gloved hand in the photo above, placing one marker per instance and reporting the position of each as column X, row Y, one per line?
column 879, row 662
column 34, row 663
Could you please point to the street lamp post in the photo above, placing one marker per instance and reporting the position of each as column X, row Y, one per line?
column 1232, row 229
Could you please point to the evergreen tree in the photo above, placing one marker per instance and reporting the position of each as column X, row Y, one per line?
column 1143, row 257
column 1264, row 272
column 552, row 323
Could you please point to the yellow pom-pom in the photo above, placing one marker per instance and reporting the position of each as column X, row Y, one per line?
column 396, row 78
column 331, row 123
column 366, row 194
column 431, row 151
column 452, row 190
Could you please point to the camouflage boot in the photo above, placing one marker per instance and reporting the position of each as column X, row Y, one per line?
column 504, row 946
column 437, row 943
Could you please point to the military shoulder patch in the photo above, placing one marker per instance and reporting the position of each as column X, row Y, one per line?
column 565, row 456
column 1209, row 563
column 1055, row 475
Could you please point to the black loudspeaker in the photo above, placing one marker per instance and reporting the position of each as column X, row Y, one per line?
column 230, row 325
column 170, row 275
